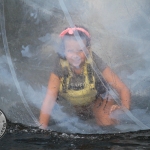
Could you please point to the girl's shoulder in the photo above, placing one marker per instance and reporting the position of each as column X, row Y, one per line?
column 57, row 69
column 99, row 62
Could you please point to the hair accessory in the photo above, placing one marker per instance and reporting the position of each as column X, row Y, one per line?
column 71, row 31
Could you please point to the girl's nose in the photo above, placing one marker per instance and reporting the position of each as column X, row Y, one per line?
column 76, row 56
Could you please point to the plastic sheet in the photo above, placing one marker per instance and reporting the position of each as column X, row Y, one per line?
column 29, row 43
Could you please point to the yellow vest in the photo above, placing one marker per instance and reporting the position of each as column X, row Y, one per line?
column 80, row 93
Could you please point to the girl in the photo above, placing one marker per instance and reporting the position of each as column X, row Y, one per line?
column 74, row 79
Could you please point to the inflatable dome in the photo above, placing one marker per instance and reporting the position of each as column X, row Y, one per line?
column 30, row 42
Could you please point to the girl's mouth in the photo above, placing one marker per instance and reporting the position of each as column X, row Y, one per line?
column 76, row 63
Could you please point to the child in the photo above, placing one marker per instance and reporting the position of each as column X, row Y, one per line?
column 74, row 79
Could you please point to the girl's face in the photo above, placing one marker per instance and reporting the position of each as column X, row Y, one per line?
column 74, row 54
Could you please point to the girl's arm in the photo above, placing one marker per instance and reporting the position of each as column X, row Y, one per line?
column 118, row 85
column 49, row 101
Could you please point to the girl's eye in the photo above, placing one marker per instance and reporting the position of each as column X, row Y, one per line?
column 69, row 51
column 80, row 51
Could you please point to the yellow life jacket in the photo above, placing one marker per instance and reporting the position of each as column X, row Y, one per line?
column 78, row 93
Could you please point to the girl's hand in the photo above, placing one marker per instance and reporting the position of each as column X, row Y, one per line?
column 114, row 107
column 43, row 127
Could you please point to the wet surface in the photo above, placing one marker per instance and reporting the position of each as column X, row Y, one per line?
column 21, row 137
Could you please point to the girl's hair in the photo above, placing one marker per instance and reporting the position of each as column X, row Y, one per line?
column 66, row 36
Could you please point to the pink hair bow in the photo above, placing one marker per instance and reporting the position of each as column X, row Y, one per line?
column 71, row 31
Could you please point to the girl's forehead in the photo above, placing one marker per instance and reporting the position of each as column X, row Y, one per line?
column 73, row 41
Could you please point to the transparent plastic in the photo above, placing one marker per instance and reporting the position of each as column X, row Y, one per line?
column 29, row 43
